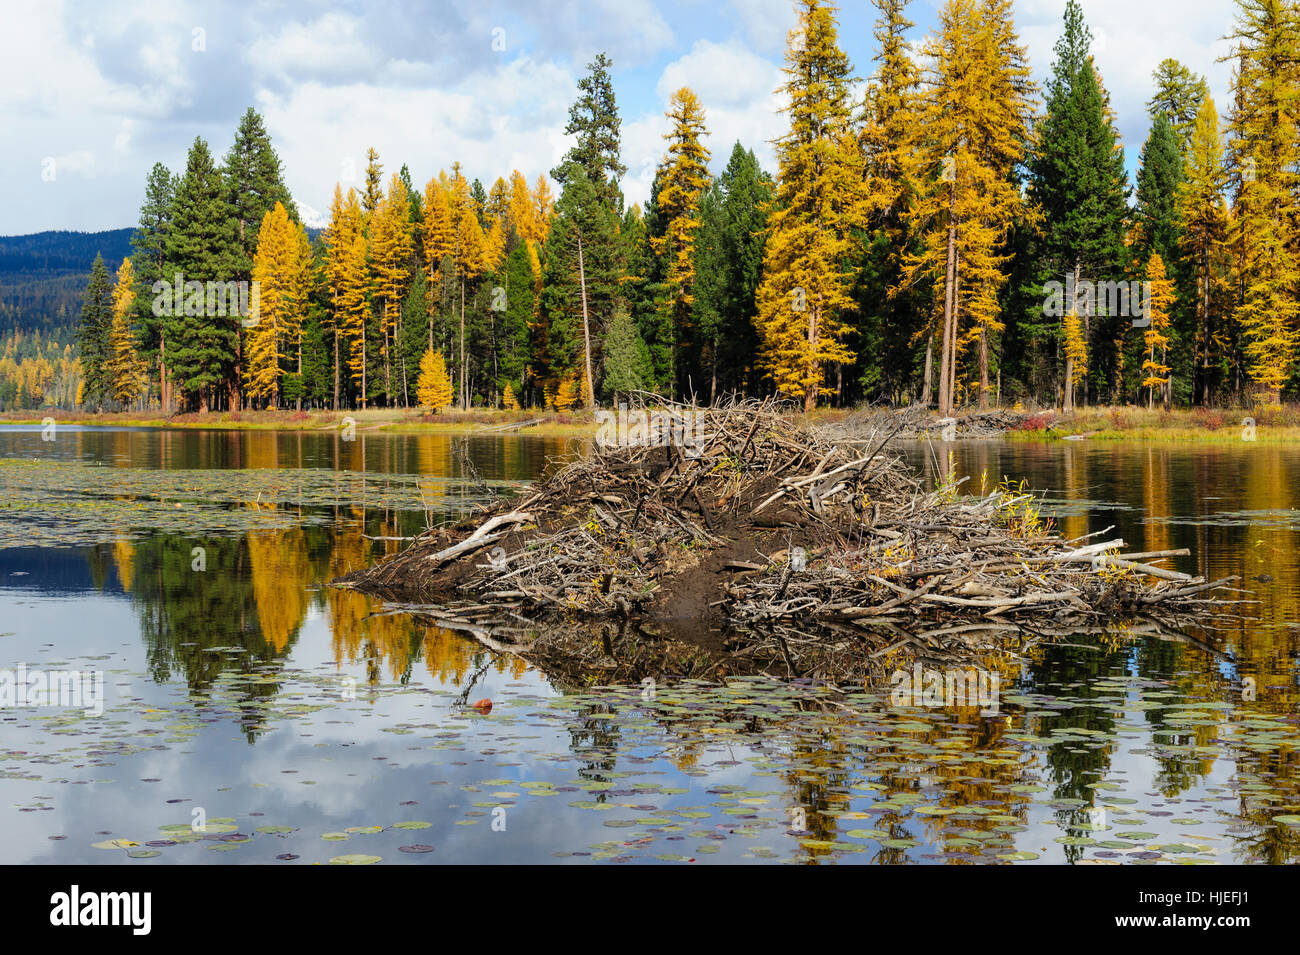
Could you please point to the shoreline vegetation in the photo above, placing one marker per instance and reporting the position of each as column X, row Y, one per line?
column 1264, row 425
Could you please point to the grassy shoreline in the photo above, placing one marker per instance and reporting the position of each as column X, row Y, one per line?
column 1279, row 425
column 1264, row 425
column 382, row 420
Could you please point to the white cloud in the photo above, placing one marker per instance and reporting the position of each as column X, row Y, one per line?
column 109, row 91
column 737, row 89
column 510, row 119
column 329, row 47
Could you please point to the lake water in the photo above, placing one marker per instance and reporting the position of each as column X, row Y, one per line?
column 252, row 713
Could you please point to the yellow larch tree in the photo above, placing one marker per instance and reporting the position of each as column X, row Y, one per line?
column 1156, row 337
column 543, row 207
column 973, row 127
column 282, row 300
column 433, row 388
column 1205, row 219
column 804, row 289
column 472, row 257
column 683, row 176
column 1265, row 142
column 354, row 309
column 124, row 367
column 390, row 255
column 340, row 236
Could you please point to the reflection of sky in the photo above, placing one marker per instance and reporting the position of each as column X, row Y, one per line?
column 339, row 748
column 362, row 772
column 53, row 615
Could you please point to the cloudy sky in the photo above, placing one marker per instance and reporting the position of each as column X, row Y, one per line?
column 93, row 93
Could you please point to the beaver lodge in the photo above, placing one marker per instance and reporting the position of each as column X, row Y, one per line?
column 730, row 538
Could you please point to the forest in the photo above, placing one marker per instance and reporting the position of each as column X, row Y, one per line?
column 911, row 245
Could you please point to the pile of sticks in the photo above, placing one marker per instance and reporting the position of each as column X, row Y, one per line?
column 735, row 516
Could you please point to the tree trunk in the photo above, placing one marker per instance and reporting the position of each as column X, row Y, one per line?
column 388, row 371
column 927, row 390
column 464, row 365
column 984, row 369
column 162, row 373
column 812, row 380
column 1204, row 390
column 1067, row 404
column 949, row 307
column 713, row 376
column 236, row 402
column 586, row 326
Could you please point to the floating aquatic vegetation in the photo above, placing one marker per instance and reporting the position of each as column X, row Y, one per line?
column 76, row 503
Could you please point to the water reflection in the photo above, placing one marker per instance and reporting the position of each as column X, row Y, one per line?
column 1101, row 750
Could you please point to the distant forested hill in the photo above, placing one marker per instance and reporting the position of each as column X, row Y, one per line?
column 43, row 275
column 62, row 251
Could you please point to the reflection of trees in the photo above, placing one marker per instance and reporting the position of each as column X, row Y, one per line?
column 124, row 561
column 280, row 572
column 1071, row 764
column 186, row 616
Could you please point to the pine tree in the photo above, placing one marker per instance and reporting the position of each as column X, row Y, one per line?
column 93, row 336
column 594, row 119
column 729, row 261
column 1158, row 181
column 1205, row 218
column 1178, row 97
column 202, row 246
column 627, row 360
column 1265, row 143
column 148, row 263
column 516, row 320
column 413, row 337
column 580, row 282
column 1078, row 182
column 124, row 370
column 434, row 387
column 804, row 290
column 254, row 183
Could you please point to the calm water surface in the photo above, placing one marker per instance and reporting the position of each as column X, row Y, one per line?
column 302, row 723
